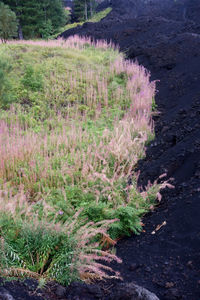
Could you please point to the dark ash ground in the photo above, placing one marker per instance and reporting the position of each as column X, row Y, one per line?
column 164, row 36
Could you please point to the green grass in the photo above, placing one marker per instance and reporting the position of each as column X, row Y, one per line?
column 96, row 18
column 74, row 121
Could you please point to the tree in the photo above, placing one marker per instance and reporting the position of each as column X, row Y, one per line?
column 16, row 6
column 92, row 7
column 83, row 9
column 8, row 23
column 46, row 30
column 38, row 18
column 79, row 10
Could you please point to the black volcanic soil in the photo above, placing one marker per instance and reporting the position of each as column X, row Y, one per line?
column 164, row 36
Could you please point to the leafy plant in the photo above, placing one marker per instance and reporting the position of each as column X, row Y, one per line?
column 47, row 250
column 38, row 18
column 46, row 29
column 5, row 84
column 32, row 79
column 8, row 23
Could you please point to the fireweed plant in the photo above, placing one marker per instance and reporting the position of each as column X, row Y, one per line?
column 73, row 124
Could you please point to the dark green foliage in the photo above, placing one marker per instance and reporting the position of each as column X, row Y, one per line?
column 61, row 268
column 46, row 30
column 98, row 212
column 79, row 10
column 129, row 218
column 5, row 86
column 84, row 9
column 41, row 249
column 8, row 23
column 130, row 221
column 32, row 79
column 38, row 18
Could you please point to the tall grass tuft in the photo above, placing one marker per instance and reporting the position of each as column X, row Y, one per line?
column 39, row 248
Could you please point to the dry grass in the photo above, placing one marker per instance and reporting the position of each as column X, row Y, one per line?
column 73, row 42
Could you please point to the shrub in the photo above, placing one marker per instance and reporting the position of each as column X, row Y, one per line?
column 5, row 85
column 8, row 23
column 46, row 29
column 32, row 79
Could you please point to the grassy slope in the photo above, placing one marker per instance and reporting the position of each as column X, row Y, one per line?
column 96, row 18
column 78, row 124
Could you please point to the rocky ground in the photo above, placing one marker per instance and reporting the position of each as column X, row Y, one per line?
column 164, row 36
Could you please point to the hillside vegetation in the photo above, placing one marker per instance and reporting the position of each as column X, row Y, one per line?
column 75, row 118
column 94, row 19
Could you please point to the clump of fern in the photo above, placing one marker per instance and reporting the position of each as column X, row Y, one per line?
column 48, row 249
